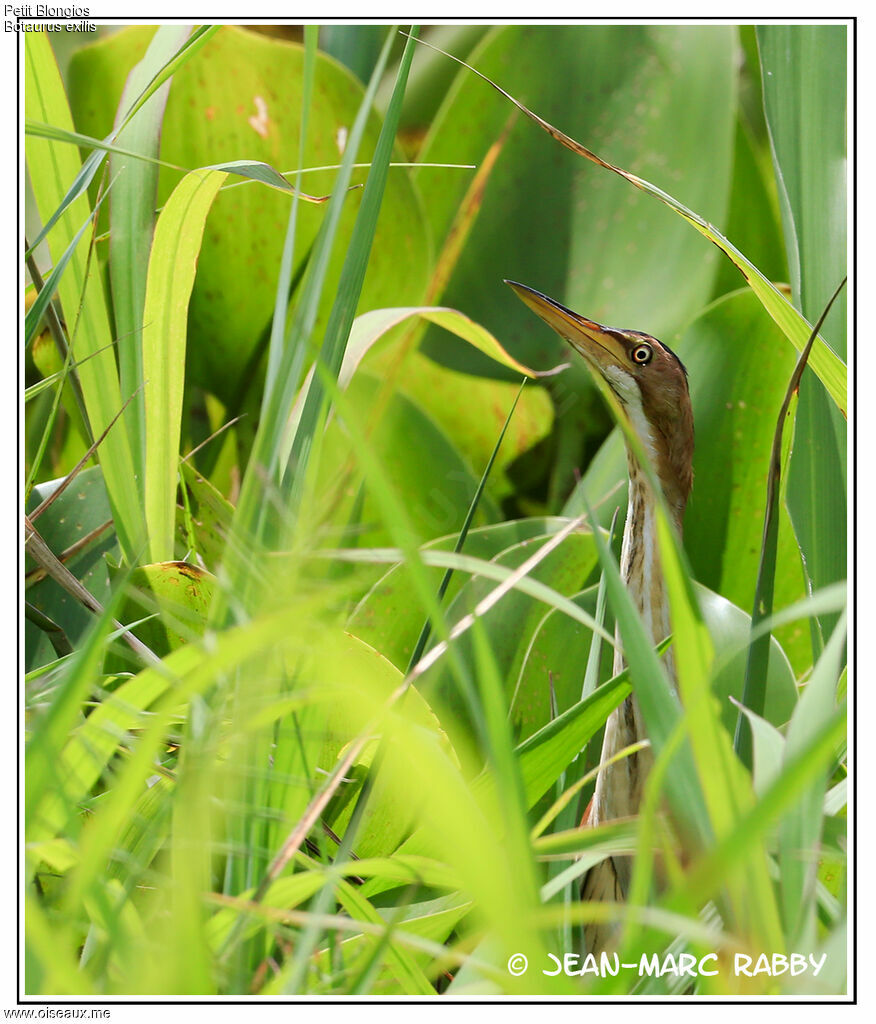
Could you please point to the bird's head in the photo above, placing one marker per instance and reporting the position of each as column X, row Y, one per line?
column 649, row 381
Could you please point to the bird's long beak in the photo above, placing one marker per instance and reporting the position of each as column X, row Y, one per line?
column 596, row 343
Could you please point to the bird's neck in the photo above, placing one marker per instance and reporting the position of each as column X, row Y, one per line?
column 640, row 557
column 619, row 785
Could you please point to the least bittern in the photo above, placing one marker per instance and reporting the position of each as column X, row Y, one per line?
column 650, row 383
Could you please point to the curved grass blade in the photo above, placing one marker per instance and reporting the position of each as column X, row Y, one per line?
column 171, row 276
column 800, row 831
column 830, row 369
column 89, row 168
column 50, row 166
column 132, row 222
column 477, row 567
column 50, row 286
column 40, row 130
column 352, row 276
column 754, row 691
column 253, row 520
column 426, row 631
column 284, row 281
column 368, row 329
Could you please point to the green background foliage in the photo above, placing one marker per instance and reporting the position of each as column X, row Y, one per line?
column 272, row 747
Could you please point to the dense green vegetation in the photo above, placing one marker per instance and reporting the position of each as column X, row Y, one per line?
column 274, row 394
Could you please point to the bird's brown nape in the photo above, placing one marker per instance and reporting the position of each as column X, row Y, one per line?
column 667, row 408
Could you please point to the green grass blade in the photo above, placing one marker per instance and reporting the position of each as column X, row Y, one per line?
column 51, row 166
column 754, row 693
column 50, row 286
column 353, row 274
column 591, row 673
column 798, row 774
column 426, row 631
column 660, row 707
column 278, row 325
column 726, row 787
column 132, row 222
column 252, row 516
column 800, row 831
column 171, row 276
column 200, row 37
column 804, row 89
column 49, row 131
column 43, row 783
column 84, row 176
column 477, row 567
column 829, row 367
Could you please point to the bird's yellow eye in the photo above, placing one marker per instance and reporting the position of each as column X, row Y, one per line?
column 642, row 354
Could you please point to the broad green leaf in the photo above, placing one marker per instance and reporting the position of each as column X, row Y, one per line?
column 93, row 161
column 436, row 484
column 739, row 366
column 554, row 665
column 543, row 756
column 562, row 225
column 239, row 97
column 470, row 409
column 829, row 367
column 559, row 648
column 511, row 624
column 80, row 516
column 211, row 515
column 389, row 618
column 355, row 46
column 173, row 260
column 392, row 808
column 367, row 332
column 172, row 263
column 768, row 747
column 462, row 535
column 730, row 629
column 804, row 91
column 432, row 74
column 804, row 84
column 176, row 595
